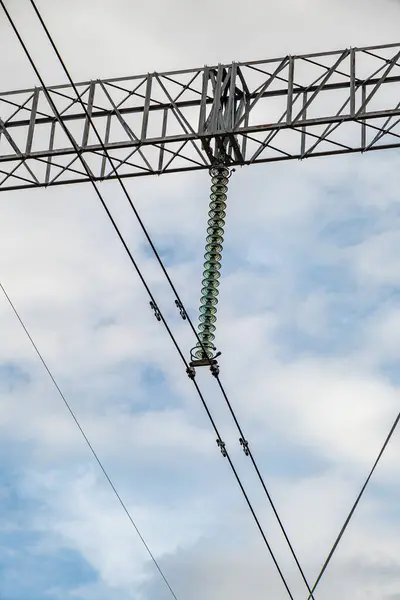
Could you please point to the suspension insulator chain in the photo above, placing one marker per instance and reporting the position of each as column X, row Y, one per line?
column 212, row 266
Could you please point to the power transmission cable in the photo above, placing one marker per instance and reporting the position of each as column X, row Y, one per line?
column 85, row 437
column 158, row 313
column 243, row 439
column 219, row 441
column 356, row 503
column 245, row 445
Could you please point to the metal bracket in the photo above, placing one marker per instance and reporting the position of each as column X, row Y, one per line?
column 156, row 310
column 214, row 369
column 181, row 309
column 245, row 446
column 191, row 373
column 203, row 362
column 221, row 446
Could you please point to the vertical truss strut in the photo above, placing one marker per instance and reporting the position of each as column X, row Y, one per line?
column 285, row 108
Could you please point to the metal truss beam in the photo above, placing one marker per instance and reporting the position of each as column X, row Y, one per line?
column 293, row 107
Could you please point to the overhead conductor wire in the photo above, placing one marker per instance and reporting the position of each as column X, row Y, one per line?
column 356, row 503
column 89, row 444
column 220, row 443
column 243, row 439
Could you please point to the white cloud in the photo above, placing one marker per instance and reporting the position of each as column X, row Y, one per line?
column 287, row 227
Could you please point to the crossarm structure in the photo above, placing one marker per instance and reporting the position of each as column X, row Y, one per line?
column 293, row 107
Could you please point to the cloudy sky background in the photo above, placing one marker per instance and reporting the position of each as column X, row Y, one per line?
column 309, row 325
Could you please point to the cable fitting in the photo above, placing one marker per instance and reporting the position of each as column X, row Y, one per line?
column 182, row 311
column 245, row 446
column 156, row 310
column 222, row 447
column 214, row 370
column 191, row 372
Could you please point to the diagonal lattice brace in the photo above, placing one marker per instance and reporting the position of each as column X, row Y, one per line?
column 286, row 108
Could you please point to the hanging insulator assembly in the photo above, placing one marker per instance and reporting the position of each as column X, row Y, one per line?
column 204, row 353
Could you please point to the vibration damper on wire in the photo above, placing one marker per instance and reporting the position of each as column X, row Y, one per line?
column 221, row 445
column 155, row 310
column 245, row 445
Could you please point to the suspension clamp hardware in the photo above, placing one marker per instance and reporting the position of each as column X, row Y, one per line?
column 245, row 446
column 182, row 311
column 214, row 370
column 191, row 373
column 221, row 446
column 156, row 310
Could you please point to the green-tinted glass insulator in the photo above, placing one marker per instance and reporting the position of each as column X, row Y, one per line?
column 214, row 248
column 217, row 206
column 215, row 274
column 200, row 354
column 206, row 327
column 209, row 298
column 211, row 270
column 204, row 318
column 215, row 232
column 213, row 257
column 205, row 283
column 219, row 202
column 208, row 301
column 219, row 171
column 220, row 180
column 206, row 337
column 207, row 310
column 218, row 194
column 216, row 225
column 210, row 284
column 209, row 290
column 210, row 263
column 215, row 239
column 218, row 219
column 218, row 209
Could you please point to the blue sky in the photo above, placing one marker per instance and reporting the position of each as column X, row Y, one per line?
column 309, row 324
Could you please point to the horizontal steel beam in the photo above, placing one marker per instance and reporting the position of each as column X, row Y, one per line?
column 293, row 107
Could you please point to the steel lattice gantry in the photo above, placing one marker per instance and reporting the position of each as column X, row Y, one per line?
column 278, row 109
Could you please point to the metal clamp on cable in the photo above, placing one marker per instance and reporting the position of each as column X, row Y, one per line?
column 182, row 311
column 214, row 370
column 222, row 447
column 191, row 373
column 204, row 362
column 156, row 310
column 245, row 446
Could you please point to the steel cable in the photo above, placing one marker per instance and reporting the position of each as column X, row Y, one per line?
column 201, row 343
column 153, row 302
column 87, row 441
column 356, row 503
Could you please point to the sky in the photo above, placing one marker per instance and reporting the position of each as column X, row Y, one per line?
column 308, row 326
